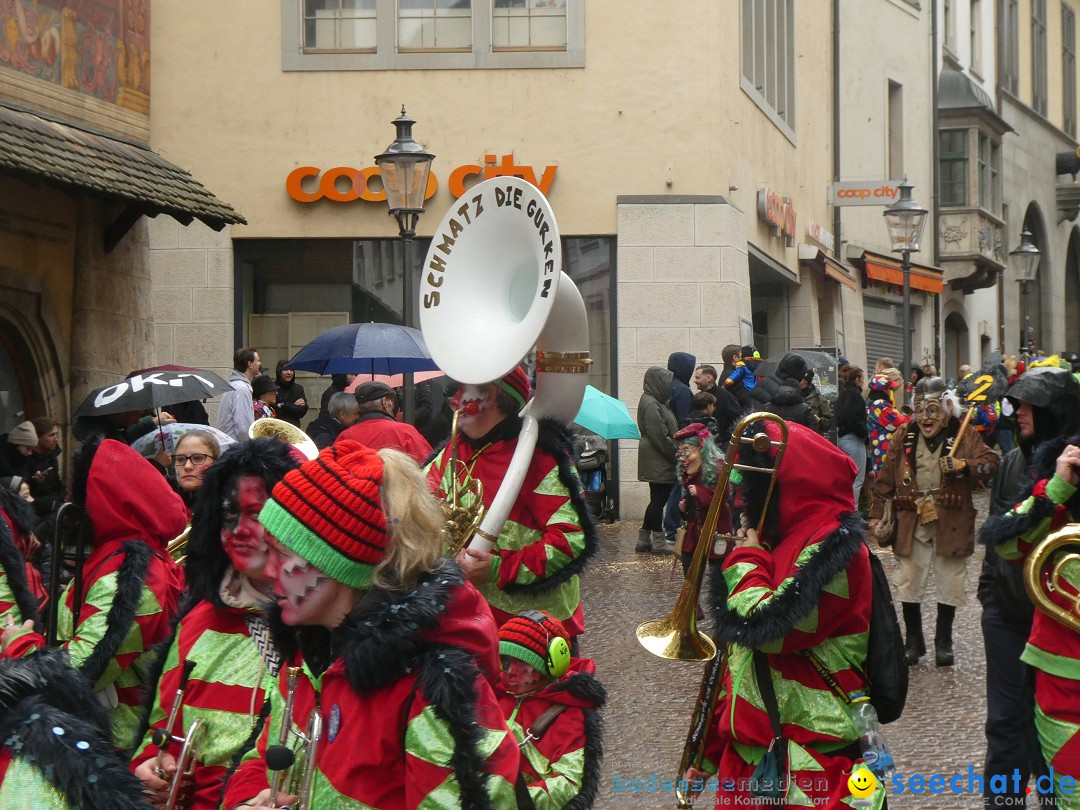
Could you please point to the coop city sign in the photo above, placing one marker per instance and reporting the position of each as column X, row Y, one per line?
column 864, row 192
column 346, row 184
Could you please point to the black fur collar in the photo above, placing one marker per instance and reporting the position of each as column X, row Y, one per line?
column 14, row 565
column 776, row 619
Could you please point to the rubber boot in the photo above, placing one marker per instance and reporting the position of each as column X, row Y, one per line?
column 644, row 541
column 943, row 648
column 661, row 545
column 915, row 646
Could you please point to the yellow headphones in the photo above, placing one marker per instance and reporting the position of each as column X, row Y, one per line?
column 558, row 648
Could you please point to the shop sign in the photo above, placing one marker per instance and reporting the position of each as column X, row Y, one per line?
column 864, row 192
column 778, row 213
column 816, row 232
column 347, row 184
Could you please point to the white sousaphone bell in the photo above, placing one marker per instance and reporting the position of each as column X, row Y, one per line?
column 492, row 287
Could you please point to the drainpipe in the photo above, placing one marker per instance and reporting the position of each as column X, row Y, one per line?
column 934, row 173
column 837, row 240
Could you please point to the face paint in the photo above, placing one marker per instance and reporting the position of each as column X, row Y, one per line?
column 480, row 412
column 689, row 458
column 242, row 536
column 305, row 594
column 520, row 678
column 931, row 415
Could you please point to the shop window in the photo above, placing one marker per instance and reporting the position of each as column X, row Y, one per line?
column 768, row 59
column 1038, row 56
column 432, row 34
column 952, row 177
column 1009, row 69
column 1068, row 68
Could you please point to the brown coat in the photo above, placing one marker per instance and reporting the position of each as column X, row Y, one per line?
column 956, row 512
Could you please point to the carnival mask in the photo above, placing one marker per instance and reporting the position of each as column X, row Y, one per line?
column 931, row 415
column 688, row 457
column 242, row 536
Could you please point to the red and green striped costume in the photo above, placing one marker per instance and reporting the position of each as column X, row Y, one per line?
column 22, row 593
column 548, row 535
column 226, row 691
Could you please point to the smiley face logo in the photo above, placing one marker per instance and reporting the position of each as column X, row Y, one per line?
column 861, row 783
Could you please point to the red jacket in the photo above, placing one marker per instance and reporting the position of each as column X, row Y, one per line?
column 378, row 430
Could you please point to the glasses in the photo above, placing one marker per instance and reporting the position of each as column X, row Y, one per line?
column 198, row 459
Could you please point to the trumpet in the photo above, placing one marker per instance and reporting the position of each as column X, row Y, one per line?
column 1044, row 572
column 283, row 760
column 190, row 744
column 677, row 637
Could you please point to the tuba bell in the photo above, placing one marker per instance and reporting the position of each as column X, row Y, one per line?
column 492, row 289
column 1045, row 576
column 269, row 428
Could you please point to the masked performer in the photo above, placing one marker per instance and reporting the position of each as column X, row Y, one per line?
column 122, row 601
column 930, row 487
column 384, row 638
column 548, row 535
column 800, row 591
column 697, row 456
column 22, row 593
column 551, row 702
column 222, row 629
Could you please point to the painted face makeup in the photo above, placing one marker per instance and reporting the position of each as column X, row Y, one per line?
column 520, row 678
column 931, row 415
column 242, row 536
column 689, row 458
column 305, row 594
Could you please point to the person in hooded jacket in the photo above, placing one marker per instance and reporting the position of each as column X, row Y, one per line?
column 385, row 637
column 787, row 402
column 1047, row 406
column 221, row 627
column 800, row 589
column 292, row 403
column 680, row 397
column 122, row 602
column 656, row 457
column 792, row 367
column 552, row 704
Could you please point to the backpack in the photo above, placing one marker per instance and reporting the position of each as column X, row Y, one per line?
column 885, row 670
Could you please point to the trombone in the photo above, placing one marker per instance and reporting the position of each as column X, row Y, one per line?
column 677, row 637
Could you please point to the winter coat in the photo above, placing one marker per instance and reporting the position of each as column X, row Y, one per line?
column 130, row 586
column 850, row 413
column 811, row 592
column 338, row 383
column 378, row 429
column 882, row 422
column 695, row 508
column 324, row 430
column 956, row 513
column 561, row 766
column 12, row 462
column 681, row 365
column 820, row 406
column 50, row 492
column 288, row 393
column 22, row 592
column 656, row 450
column 408, row 719
column 787, row 403
column 791, row 367
column 548, row 536
column 727, row 413
column 235, row 413
column 740, row 392
column 1001, row 582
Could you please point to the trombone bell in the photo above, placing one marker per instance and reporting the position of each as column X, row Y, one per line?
column 665, row 638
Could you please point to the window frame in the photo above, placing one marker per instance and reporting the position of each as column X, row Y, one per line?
column 767, row 74
column 975, row 29
column 1068, row 69
column 952, row 158
column 1009, row 70
column 388, row 56
column 1039, row 58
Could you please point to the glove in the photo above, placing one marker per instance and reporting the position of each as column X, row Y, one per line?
column 952, row 466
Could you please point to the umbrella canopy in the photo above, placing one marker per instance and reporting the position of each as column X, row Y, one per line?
column 824, row 365
column 168, row 436
column 606, row 416
column 147, row 392
column 393, row 380
column 365, row 348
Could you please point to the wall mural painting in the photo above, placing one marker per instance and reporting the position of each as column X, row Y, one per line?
column 97, row 47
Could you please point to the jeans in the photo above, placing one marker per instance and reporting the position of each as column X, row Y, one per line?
column 855, row 448
column 672, row 517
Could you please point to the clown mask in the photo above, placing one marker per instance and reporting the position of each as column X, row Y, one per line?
column 242, row 535
column 931, row 413
column 689, row 458
column 476, row 403
column 520, row 678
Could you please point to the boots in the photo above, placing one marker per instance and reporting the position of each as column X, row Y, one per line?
column 644, row 541
column 915, row 646
column 943, row 648
column 661, row 545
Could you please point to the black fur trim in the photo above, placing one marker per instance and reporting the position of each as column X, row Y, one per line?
column 21, row 513
column 207, row 561
column 78, row 763
column 584, row 685
column 776, row 619
column 48, row 675
column 130, row 578
column 14, row 565
column 447, row 677
column 999, row 528
column 553, row 439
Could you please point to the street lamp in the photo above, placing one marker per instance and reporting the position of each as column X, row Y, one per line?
column 404, row 168
column 1025, row 263
column 905, row 219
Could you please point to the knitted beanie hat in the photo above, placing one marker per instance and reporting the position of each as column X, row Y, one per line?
column 329, row 511
column 516, row 384
column 24, row 435
column 527, row 639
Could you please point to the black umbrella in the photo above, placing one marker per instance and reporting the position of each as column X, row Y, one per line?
column 149, row 391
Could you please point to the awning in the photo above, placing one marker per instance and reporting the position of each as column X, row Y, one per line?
column 42, row 150
column 837, row 271
column 889, row 270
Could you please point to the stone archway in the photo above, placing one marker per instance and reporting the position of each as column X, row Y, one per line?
column 956, row 345
column 1072, row 293
column 1035, row 300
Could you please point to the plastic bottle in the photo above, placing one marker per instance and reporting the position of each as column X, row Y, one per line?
column 875, row 751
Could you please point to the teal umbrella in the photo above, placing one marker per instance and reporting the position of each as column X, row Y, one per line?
column 606, row 416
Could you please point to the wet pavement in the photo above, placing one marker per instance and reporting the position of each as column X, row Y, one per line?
column 650, row 699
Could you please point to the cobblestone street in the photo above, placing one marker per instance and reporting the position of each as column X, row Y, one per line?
column 650, row 699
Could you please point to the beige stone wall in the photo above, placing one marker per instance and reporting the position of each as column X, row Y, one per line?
column 192, row 271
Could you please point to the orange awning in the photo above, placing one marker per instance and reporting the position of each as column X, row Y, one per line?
column 815, row 257
column 882, row 268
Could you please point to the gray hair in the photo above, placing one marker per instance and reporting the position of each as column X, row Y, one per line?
column 342, row 402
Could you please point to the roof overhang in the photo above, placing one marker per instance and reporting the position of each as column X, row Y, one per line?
column 880, row 267
column 813, row 256
column 77, row 160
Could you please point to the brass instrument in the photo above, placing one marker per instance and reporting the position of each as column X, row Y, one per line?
column 281, row 430
column 463, row 506
column 677, row 637
column 177, row 547
column 190, row 744
column 294, row 773
column 1044, row 572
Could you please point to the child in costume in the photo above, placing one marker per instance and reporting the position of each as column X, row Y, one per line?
column 882, row 419
column 697, row 457
column 552, row 703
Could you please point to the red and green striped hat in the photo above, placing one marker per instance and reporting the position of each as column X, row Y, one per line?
column 329, row 511
column 528, row 635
